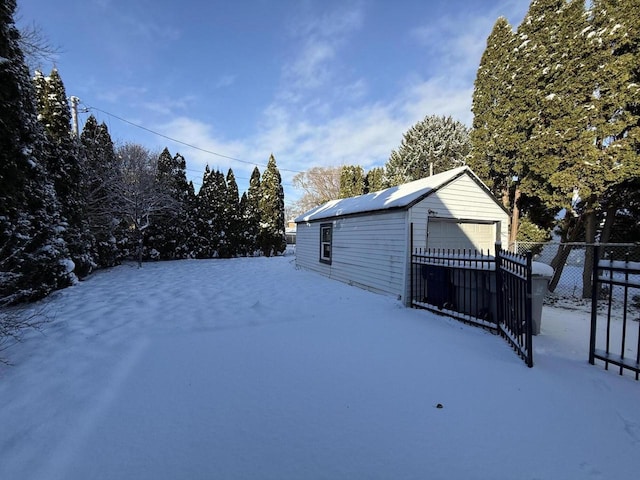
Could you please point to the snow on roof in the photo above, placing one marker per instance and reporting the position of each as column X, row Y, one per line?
column 394, row 197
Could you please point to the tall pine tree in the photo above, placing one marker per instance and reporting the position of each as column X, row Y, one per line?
column 234, row 224
column 251, row 216
column 65, row 169
column 271, row 238
column 491, row 158
column 33, row 257
column 97, row 186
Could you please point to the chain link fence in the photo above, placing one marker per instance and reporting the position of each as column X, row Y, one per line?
column 570, row 283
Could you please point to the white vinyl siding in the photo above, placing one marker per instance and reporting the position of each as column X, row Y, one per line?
column 461, row 199
column 368, row 251
column 448, row 234
column 372, row 250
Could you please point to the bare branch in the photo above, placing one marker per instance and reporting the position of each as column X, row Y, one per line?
column 16, row 321
column 36, row 47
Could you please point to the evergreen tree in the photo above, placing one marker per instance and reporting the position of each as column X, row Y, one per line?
column 351, row 181
column 243, row 248
column 234, row 234
column 64, row 167
column 571, row 117
column 97, row 186
column 188, row 250
column 271, row 239
column 168, row 237
column 491, row 157
column 211, row 218
column 33, row 258
column 204, row 230
column 433, row 145
column 220, row 219
column 374, row 180
column 251, row 214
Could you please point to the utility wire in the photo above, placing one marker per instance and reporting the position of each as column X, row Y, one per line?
column 195, row 147
column 87, row 108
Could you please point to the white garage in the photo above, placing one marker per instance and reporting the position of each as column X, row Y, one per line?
column 367, row 240
column 461, row 234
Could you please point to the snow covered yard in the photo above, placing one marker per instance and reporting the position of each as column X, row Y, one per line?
column 249, row 368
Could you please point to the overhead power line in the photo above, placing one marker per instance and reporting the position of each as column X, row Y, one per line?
column 87, row 108
column 195, row 147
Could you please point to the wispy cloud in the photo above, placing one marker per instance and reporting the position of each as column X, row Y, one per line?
column 169, row 106
column 225, row 81
column 320, row 118
column 190, row 131
column 320, row 38
column 121, row 93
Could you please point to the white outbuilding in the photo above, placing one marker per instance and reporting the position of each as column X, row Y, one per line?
column 367, row 240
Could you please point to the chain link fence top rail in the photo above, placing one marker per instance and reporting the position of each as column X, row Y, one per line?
column 570, row 284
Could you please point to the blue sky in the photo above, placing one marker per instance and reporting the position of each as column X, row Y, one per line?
column 315, row 82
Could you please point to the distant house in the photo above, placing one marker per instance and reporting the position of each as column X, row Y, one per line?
column 366, row 240
column 290, row 232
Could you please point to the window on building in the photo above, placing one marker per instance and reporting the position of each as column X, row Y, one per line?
column 325, row 242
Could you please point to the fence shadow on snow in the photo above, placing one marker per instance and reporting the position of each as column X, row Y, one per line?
column 492, row 292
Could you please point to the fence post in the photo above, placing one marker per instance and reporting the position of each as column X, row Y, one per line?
column 528, row 311
column 498, row 262
column 411, row 279
column 594, row 305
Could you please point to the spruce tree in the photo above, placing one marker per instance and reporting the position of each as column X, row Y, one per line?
column 33, row 258
column 435, row 144
column 271, row 239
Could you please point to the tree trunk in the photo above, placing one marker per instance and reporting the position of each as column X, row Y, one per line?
column 590, row 238
column 610, row 217
column 515, row 218
column 140, row 243
column 557, row 264
column 569, row 234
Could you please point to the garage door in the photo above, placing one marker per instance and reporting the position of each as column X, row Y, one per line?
column 461, row 235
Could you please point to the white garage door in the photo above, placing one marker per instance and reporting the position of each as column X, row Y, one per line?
column 461, row 235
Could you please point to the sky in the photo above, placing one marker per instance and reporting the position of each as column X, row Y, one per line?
column 313, row 82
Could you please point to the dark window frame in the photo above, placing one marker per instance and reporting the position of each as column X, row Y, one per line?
column 324, row 258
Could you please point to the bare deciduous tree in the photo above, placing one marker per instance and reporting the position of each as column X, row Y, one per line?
column 36, row 47
column 138, row 195
column 319, row 184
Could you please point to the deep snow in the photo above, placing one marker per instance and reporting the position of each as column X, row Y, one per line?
column 249, row 368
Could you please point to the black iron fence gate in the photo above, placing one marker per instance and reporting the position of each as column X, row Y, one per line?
column 489, row 291
column 515, row 321
column 614, row 338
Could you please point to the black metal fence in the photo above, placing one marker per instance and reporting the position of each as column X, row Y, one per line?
column 458, row 283
column 489, row 291
column 515, row 321
column 615, row 338
column 571, row 282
